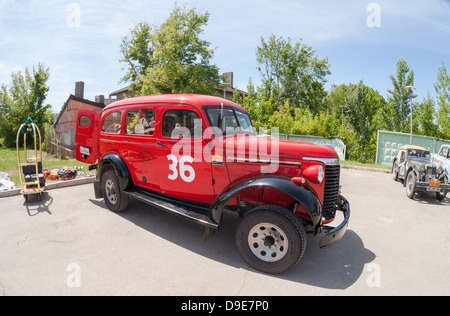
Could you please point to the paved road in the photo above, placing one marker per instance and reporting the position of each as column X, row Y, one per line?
column 70, row 244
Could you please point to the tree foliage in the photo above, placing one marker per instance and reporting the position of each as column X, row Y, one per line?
column 25, row 98
column 292, row 72
column 442, row 88
column 399, row 110
column 171, row 57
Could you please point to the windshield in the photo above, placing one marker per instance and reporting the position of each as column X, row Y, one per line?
column 230, row 120
column 412, row 153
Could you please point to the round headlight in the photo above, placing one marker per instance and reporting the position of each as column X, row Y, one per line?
column 320, row 175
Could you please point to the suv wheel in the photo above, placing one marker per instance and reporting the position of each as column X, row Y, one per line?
column 114, row 200
column 271, row 239
column 411, row 184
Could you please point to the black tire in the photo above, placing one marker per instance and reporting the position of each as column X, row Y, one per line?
column 441, row 195
column 271, row 239
column 114, row 199
column 395, row 171
column 410, row 182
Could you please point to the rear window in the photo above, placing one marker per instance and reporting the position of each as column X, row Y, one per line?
column 84, row 121
column 112, row 123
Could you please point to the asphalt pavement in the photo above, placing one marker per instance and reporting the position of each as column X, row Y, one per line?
column 70, row 244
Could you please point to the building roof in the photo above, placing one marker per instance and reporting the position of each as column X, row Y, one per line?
column 74, row 98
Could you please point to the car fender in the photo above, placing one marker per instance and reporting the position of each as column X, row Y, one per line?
column 413, row 169
column 304, row 197
column 114, row 162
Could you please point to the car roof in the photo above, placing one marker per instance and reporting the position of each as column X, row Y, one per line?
column 406, row 147
column 196, row 100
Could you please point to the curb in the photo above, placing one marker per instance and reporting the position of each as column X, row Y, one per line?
column 366, row 168
column 52, row 186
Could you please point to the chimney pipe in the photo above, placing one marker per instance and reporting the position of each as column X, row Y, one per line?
column 79, row 89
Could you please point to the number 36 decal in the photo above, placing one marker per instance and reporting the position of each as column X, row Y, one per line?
column 187, row 173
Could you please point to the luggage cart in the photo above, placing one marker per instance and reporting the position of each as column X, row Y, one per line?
column 32, row 179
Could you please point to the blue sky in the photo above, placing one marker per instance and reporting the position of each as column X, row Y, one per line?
column 80, row 40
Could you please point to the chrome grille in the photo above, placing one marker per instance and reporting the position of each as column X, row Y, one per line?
column 332, row 175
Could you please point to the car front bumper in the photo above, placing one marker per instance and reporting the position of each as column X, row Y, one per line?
column 425, row 186
column 334, row 234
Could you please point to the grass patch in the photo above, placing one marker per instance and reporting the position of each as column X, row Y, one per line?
column 8, row 162
column 369, row 165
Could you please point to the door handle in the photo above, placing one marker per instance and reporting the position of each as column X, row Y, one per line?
column 161, row 144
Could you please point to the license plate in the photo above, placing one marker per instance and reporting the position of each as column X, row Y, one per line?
column 435, row 183
column 434, row 189
column 84, row 150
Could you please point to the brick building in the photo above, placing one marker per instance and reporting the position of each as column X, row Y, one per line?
column 65, row 125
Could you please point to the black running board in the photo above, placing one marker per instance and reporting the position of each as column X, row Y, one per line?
column 190, row 212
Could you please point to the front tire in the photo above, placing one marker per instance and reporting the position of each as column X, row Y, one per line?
column 271, row 239
column 411, row 184
column 441, row 195
column 114, row 199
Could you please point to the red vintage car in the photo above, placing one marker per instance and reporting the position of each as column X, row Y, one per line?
column 197, row 156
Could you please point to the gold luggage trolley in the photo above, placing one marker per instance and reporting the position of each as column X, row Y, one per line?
column 32, row 179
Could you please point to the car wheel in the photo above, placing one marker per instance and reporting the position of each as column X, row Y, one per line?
column 411, row 184
column 441, row 195
column 395, row 171
column 271, row 239
column 114, row 199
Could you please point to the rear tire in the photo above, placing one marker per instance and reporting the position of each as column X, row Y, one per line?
column 271, row 239
column 114, row 199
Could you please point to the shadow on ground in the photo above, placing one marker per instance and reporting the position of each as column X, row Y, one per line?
column 337, row 267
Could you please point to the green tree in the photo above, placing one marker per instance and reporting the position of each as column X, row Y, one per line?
column 171, row 57
column 292, row 72
column 424, row 120
column 137, row 52
column 25, row 98
column 398, row 116
column 442, row 87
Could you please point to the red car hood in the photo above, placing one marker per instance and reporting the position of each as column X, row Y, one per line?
column 262, row 148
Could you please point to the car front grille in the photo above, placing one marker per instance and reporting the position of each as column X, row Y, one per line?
column 332, row 175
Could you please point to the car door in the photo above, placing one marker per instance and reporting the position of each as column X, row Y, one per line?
column 183, row 171
column 86, row 136
column 140, row 139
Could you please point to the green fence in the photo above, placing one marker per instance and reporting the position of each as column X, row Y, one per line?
column 388, row 144
column 338, row 145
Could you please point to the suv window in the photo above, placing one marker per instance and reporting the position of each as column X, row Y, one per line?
column 181, row 123
column 140, row 122
column 230, row 120
column 443, row 152
column 112, row 123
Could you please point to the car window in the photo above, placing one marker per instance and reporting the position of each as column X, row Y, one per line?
column 140, row 122
column 402, row 156
column 181, row 123
column 230, row 121
column 444, row 152
column 112, row 123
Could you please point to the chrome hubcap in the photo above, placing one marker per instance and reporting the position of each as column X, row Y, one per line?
column 110, row 190
column 268, row 242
